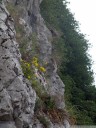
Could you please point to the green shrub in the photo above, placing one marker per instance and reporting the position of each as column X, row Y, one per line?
column 39, row 105
column 27, row 69
column 49, row 103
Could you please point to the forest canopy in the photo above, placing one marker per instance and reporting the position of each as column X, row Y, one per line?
column 70, row 51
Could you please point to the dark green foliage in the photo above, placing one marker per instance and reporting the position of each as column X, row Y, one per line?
column 46, row 103
column 49, row 103
column 70, row 51
column 43, row 121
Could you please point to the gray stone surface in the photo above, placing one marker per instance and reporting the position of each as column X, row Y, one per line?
column 17, row 98
column 7, row 124
column 55, row 85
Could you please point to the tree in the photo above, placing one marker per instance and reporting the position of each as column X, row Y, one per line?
column 75, row 63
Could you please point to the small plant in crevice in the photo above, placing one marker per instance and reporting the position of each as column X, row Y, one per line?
column 43, row 121
column 57, row 115
column 29, row 72
column 39, row 105
column 39, row 113
column 46, row 105
column 49, row 102
column 40, row 68
column 38, row 88
column 27, row 69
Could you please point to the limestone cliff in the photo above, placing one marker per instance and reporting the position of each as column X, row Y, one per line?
column 18, row 100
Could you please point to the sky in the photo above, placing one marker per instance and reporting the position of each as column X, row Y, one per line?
column 85, row 12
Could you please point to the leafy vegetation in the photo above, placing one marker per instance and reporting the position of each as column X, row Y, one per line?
column 71, row 54
column 43, row 121
column 46, row 105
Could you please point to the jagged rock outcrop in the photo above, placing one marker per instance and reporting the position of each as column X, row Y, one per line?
column 17, row 98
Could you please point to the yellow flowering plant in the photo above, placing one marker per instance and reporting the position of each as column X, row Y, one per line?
column 37, row 65
column 42, row 69
column 27, row 70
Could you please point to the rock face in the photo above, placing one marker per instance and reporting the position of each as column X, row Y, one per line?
column 17, row 98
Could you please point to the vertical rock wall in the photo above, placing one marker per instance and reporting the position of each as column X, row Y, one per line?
column 17, row 98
